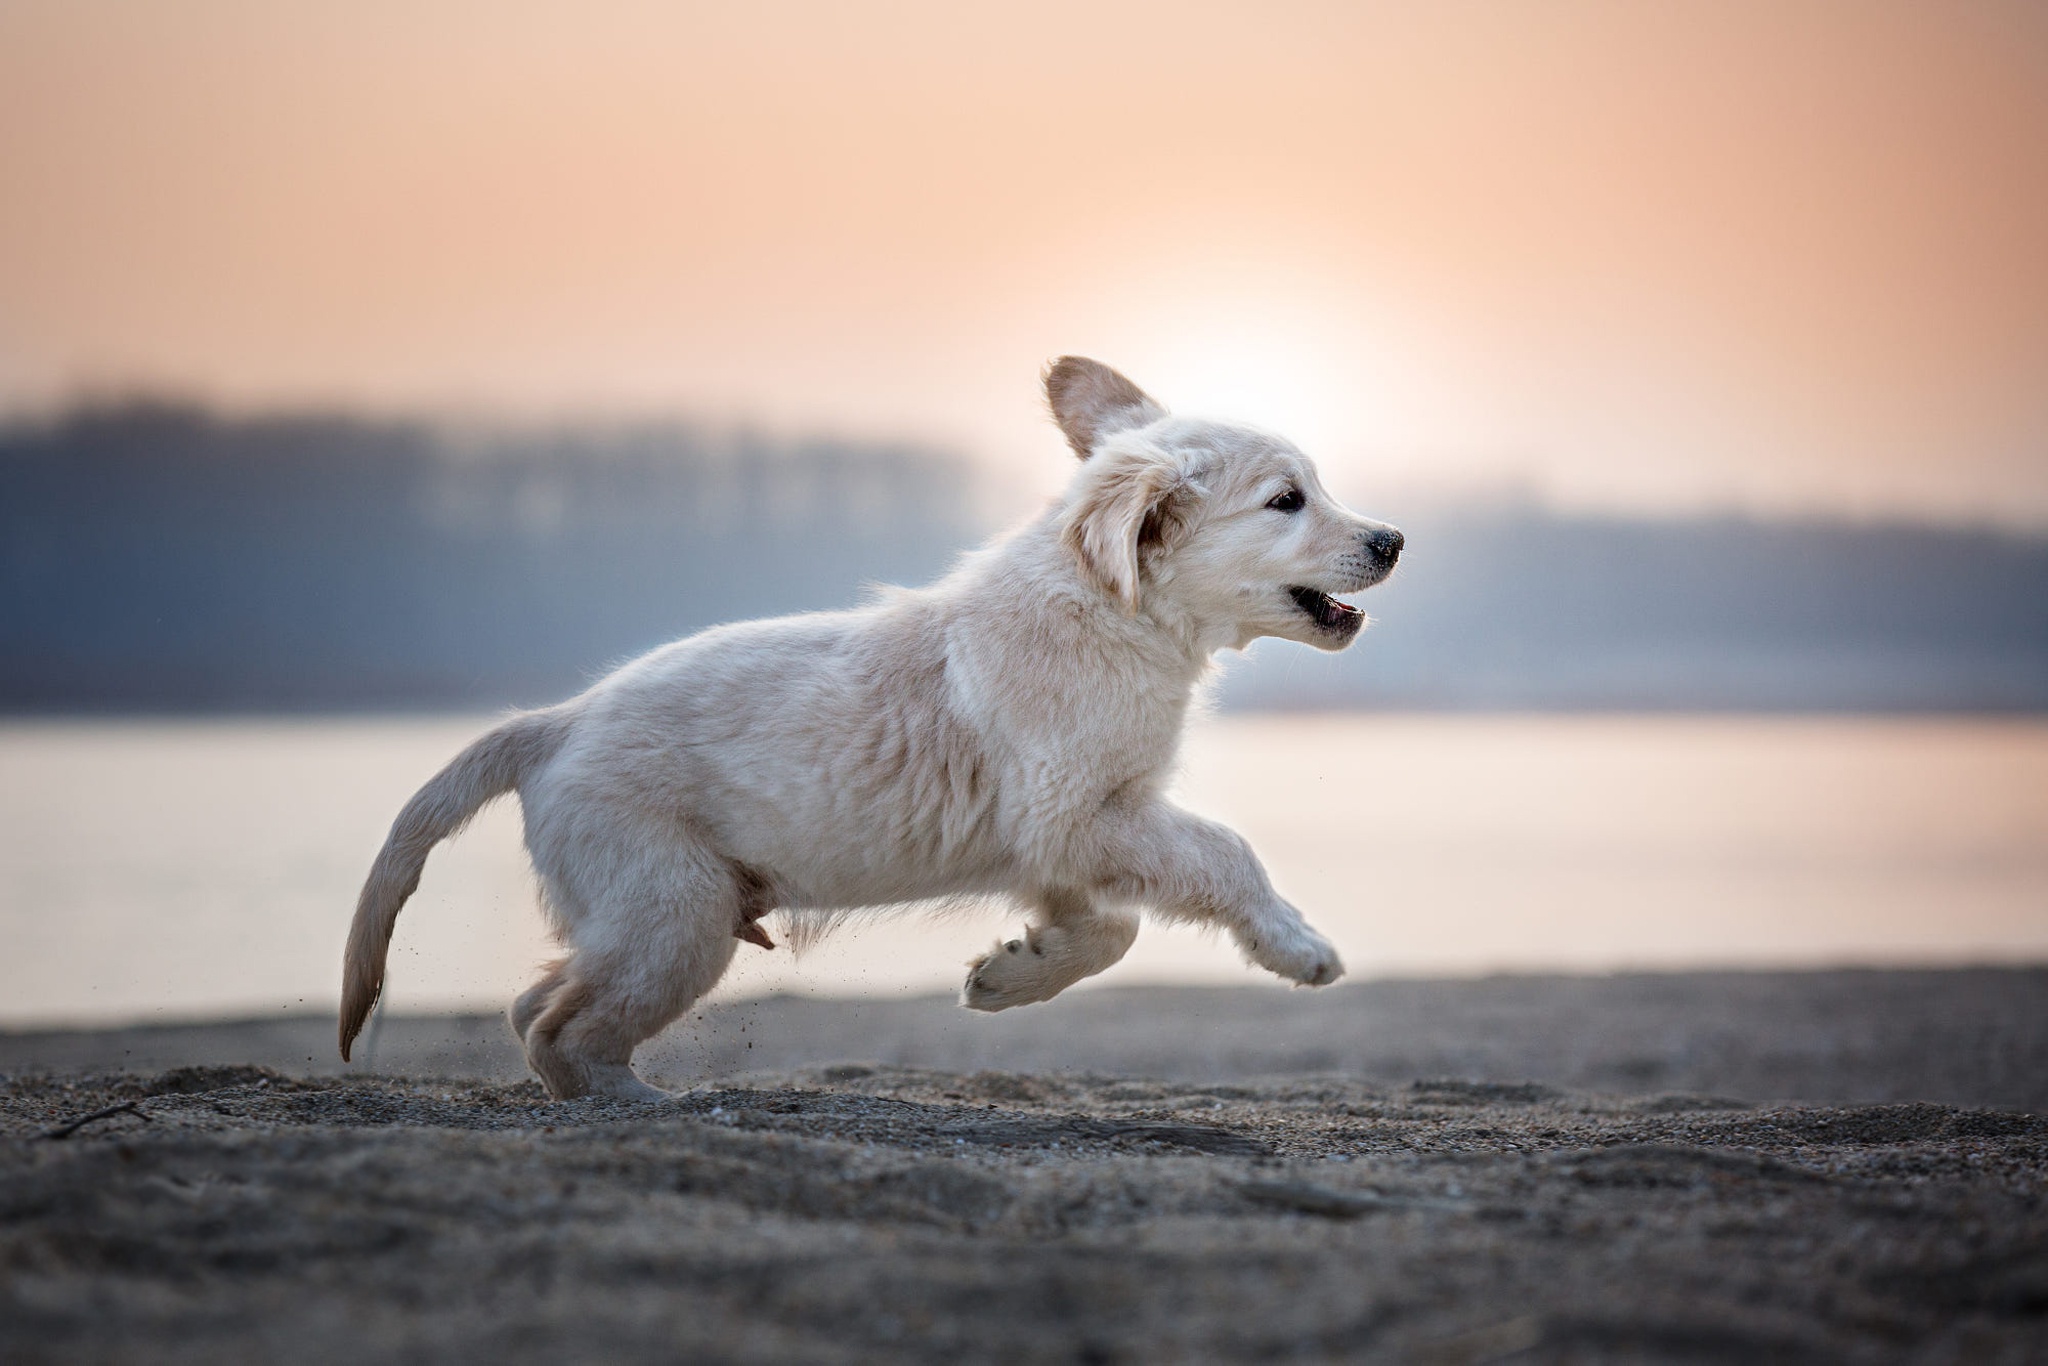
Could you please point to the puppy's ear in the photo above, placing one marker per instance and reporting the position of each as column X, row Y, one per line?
column 1089, row 401
column 1127, row 503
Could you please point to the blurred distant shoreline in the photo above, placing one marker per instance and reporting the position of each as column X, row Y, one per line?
column 161, row 559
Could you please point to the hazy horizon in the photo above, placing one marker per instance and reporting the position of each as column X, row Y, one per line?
column 1000, row 493
column 159, row 558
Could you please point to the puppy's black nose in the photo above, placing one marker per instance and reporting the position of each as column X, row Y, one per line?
column 1386, row 544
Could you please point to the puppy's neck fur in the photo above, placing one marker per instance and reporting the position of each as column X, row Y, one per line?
column 1171, row 639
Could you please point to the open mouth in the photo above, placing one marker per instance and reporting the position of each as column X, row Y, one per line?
column 1327, row 612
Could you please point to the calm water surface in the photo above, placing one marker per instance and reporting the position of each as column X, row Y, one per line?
column 167, row 870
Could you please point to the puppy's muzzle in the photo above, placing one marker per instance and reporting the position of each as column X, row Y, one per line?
column 1378, row 549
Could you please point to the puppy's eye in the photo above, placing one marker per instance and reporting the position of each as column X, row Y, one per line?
column 1289, row 501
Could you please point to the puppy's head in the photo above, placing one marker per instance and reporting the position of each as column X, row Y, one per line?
column 1222, row 523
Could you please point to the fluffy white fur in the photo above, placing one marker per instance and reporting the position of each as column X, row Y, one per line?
column 1006, row 731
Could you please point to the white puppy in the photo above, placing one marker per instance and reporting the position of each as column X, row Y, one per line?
column 1006, row 731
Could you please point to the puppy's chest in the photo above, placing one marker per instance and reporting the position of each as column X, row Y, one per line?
column 1099, row 758
column 1071, row 728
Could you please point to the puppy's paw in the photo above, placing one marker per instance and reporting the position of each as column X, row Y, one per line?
column 1010, row 974
column 1294, row 951
column 638, row 1090
column 615, row 1082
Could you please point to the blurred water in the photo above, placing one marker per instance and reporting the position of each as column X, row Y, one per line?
column 174, row 869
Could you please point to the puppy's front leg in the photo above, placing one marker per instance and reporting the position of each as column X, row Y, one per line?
column 1195, row 869
column 1070, row 938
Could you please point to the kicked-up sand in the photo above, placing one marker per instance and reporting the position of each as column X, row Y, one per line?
column 1741, row 1167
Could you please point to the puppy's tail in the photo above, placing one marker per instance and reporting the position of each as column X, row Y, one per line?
column 491, row 767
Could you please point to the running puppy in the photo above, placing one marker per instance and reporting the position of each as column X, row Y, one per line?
column 1005, row 731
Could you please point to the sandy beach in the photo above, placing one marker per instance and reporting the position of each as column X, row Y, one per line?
column 1736, row 1166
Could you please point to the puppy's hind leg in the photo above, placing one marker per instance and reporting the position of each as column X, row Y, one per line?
column 655, row 940
column 534, row 999
column 1070, row 938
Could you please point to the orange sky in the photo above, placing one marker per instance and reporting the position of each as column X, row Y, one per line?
column 1780, row 255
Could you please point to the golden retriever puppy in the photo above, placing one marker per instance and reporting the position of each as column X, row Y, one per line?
column 1004, row 732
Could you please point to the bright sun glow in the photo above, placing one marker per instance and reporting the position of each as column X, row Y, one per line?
column 1232, row 373
column 1267, row 352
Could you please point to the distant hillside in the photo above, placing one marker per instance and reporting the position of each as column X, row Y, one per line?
column 159, row 558
column 155, row 557
column 1534, row 609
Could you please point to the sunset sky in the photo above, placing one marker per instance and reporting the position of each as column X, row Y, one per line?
column 1783, row 256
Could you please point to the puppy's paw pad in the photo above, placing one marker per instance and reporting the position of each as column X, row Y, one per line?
column 980, row 991
column 1010, row 974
